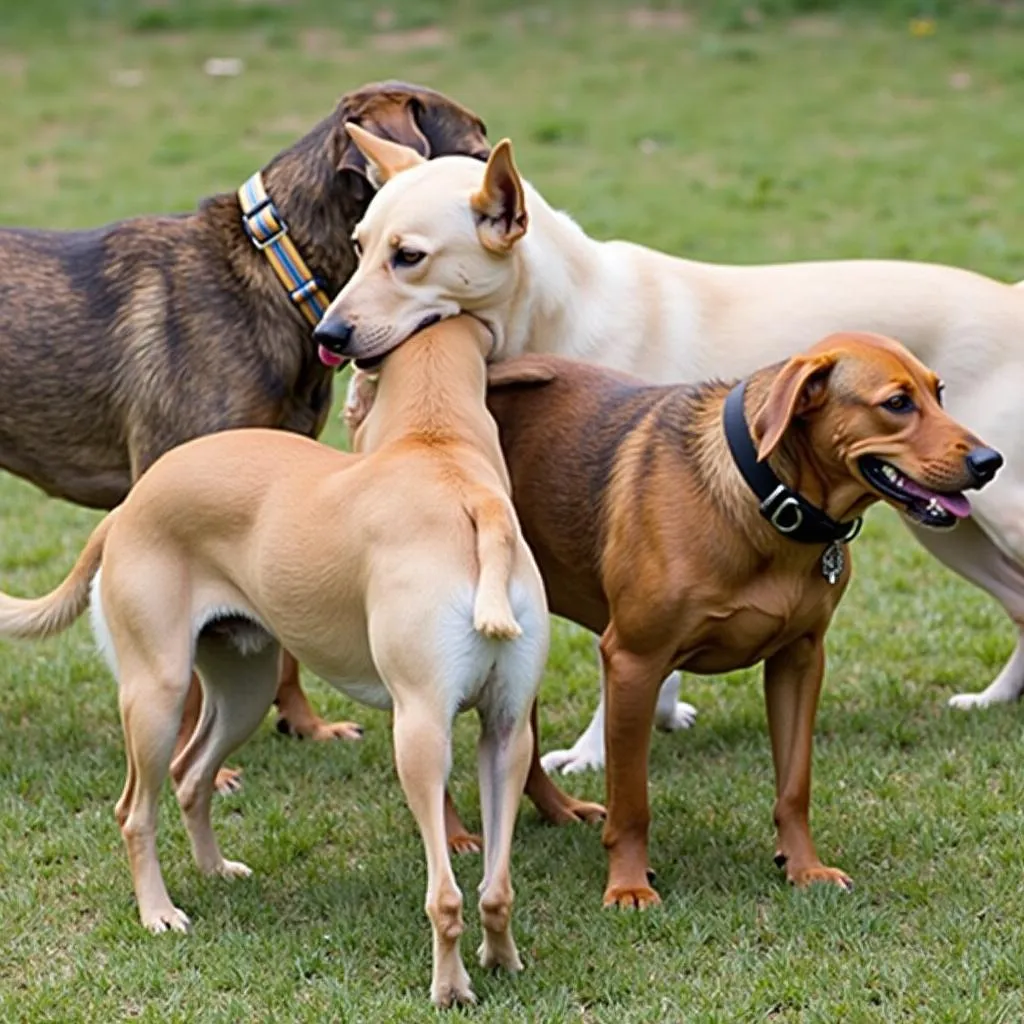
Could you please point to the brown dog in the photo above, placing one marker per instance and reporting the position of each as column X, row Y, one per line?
column 647, row 533
column 174, row 327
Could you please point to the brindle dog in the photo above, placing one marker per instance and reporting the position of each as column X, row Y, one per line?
column 121, row 342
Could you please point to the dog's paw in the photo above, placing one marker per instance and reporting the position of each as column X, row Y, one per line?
column 319, row 731
column 581, row 758
column 234, row 869
column 574, row 810
column 447, row 992
column 966, row 701
column 228, row 780
column 680, row 716
column 631, row 897
column 817, row 874
column 165, row 919
column 465, row 842
column 501, row 952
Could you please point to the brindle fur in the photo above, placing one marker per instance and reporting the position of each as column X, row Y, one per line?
column 121, row 342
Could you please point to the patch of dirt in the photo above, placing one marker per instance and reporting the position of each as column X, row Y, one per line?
column 429, row 38
column 648, row 19
column 818, row 26
column 13, row 67
column 325, row 42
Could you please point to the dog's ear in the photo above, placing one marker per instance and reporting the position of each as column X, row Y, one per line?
column 500, row 205
column 384, row 159
column 519, row 371
column 799, row 388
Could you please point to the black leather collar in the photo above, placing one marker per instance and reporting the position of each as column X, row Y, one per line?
column 789, row 512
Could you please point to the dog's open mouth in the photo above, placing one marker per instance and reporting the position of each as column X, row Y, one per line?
column 919, row 503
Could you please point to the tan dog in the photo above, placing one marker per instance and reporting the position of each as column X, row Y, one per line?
column 646, row 532
column 400, row 577
column 451, row 235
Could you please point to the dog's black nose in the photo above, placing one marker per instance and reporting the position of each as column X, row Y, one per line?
column 983, row 464
column 334, row 335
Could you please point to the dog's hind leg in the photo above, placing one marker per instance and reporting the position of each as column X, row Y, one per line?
column 422, row 736
column 295, row 715
column 555, row 805
column 969, row 552
column 504, row 757
column 238, row 690
column 229, row 780
column 151, row 699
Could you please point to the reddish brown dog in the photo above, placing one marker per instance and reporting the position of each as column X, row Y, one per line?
column 646, row 532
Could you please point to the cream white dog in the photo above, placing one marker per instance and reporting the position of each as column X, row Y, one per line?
column 401, row 577
column 450, row 235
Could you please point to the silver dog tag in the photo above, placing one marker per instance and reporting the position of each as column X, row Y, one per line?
column 833, row 562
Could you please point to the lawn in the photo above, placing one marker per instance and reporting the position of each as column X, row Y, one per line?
column 737, row 139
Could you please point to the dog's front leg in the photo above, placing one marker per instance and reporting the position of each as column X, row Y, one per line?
column 633, row 682
column 792, row 683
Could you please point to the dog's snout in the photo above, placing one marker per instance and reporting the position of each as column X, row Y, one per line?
column 983, row 464
column 335, row 334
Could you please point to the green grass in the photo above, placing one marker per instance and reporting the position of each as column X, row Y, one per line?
column 828, row 135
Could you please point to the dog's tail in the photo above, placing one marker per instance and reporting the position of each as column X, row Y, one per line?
column 495, row 548
column 37, row 617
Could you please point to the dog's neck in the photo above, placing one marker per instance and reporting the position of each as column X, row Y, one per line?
column 432, row 391
column 795, row 462
column 319, row 204
column 555, row 259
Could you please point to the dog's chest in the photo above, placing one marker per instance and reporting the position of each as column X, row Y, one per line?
column 757, row 622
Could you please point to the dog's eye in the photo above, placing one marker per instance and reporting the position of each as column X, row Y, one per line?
column 939, row 389
column 404, row 257
column 357, row 248
column 899, row 403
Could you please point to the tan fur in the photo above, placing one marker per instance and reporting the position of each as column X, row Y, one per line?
column 53, row 613
column 367, row 567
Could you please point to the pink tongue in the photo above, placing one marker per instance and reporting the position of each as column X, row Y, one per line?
column 955, row 504
column 329, row 358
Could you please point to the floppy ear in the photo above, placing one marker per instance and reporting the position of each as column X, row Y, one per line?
column 500, row 205
column 519, row 371
column 798, row 389
column 380, row 159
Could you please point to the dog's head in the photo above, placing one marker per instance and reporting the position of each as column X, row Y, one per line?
column 436, row 241
column 421, row 119
column 871, row 420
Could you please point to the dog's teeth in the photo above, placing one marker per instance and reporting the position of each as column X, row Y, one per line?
column 889, row 473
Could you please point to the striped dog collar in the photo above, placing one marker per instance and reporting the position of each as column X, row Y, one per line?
column 269, row 233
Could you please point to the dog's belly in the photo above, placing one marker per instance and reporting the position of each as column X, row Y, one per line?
column 371, row 692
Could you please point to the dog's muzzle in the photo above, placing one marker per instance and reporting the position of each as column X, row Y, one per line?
column 335, row 335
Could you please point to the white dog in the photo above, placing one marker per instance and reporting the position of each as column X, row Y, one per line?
column 451, row 235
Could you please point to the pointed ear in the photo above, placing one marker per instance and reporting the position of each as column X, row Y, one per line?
column 526, row 370
column 384, row 159
column 500, row 205
column 799, row 388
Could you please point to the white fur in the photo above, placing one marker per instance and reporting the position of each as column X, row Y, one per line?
column 100, row 629
column 674, row 320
